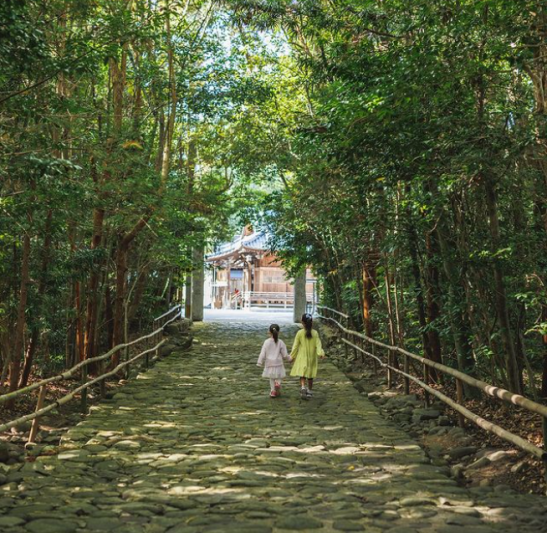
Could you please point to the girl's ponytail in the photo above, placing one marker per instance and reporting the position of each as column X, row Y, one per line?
column 307, row 320
column 274, row 330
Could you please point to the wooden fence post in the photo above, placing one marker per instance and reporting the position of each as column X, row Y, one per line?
column 39, row 405
column 426, row 380
column 459, row 396
column 407, row 380
column 83, row 404
column 146, row 363
column 345, row 335
column 128, row 367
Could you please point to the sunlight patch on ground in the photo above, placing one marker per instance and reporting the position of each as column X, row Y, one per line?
column 108, row 433
column 292, row 475
column 173, row 458
column 209, row 446
column 179, row 490
column 231, row 469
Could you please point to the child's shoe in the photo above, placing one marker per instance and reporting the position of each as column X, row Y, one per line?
column 273, row 394
column 277, row 388
column 304, row 393
column 309, row 393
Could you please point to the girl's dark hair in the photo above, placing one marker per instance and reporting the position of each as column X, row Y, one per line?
column 307, row 320
column 274, row 330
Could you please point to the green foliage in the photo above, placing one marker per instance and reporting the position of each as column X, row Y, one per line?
column 397, row 147
column 86, row 99
column 412, row 147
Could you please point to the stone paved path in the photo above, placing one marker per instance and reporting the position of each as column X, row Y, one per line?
column 196, row 445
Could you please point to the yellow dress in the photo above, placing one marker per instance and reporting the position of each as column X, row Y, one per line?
column 305, row 353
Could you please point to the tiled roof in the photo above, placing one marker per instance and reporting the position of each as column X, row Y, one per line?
column 255, row 241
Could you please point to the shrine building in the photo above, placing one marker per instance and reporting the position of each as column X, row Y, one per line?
column 246, row 274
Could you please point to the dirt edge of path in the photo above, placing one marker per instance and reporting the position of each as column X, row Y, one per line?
column 474, row 456
column 15, row 449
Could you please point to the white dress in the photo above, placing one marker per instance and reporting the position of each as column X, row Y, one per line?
column 271, row 357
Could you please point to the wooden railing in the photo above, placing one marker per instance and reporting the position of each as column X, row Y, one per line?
column 343, row 317
column 362, row 343
column 160, row 322
column 153, row 338
column 273, row 299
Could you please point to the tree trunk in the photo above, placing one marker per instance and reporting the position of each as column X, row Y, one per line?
column 511, row 364
column 109, row 315
column 399, row 303
column 537, row 70
column 70, row 337
column 432, row 299
column 125, row 241
column 139, row 291
column 299, row 307
column 418, row 291
column 358, row 275
column 188, row 296
column 93, row 289
column 78, row 354
column 31, row 348
column 459, row 322
column 15, row 363
column 489, row 184
column 369, row 283
column 166, row 159
column 121, row 283
column 197, row 284
column 79, row 332
column 391, row 318
column 544, row 369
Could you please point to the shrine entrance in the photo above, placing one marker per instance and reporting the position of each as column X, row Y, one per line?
column 246, row 275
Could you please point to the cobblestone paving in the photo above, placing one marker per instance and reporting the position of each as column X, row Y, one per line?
column 196, row 445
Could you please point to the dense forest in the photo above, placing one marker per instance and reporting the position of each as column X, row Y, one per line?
column 118, row 126
column 399, row 148
column 416, row 175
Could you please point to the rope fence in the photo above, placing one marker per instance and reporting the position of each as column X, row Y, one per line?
column 359, row 342
column 153, row 338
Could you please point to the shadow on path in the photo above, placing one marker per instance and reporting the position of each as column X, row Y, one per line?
column 197, row 445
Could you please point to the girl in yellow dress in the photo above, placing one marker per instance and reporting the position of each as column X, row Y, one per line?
column 305, row 352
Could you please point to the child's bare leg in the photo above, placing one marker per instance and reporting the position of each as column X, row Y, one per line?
column 303, row 390
column 310, row 383
column 272, row 384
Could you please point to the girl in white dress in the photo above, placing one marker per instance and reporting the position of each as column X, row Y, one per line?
column 271, row 357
